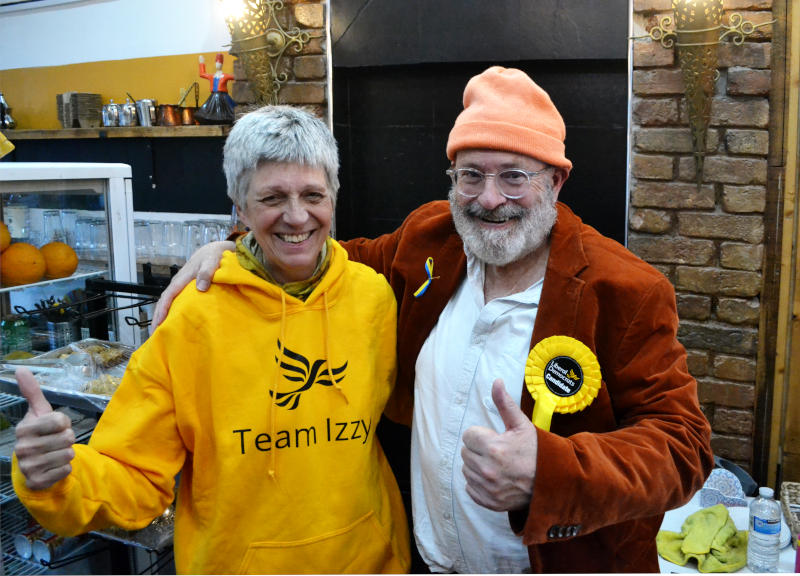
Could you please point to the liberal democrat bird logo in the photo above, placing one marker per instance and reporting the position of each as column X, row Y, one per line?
column 299, row 369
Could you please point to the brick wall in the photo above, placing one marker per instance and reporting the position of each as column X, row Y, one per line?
column 709, row 241
column 306, row 70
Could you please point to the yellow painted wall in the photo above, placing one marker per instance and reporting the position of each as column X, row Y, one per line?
column 31, row 92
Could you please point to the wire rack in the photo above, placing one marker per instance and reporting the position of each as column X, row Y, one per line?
column 9, row 401
column 13, row 564
column 155, row 541
column 14, row 520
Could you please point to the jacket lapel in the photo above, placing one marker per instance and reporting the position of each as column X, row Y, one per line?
column 449, row 268
column 562, row 288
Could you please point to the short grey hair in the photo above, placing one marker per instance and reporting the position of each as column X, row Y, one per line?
column 277, row 134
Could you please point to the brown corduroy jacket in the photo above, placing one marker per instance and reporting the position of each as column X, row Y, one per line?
column 605, row 475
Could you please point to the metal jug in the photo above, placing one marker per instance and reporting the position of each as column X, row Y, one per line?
column 146, row 111
column 6, row 121
column 111, row 114
column 127, row 114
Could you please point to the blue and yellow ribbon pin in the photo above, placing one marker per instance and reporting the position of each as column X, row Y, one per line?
column 429, row 271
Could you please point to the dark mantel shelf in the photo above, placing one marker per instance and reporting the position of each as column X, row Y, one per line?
column 120, row 132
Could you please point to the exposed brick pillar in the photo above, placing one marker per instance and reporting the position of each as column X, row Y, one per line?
column 709, row 241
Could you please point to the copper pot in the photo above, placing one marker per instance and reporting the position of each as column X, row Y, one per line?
column 169, row 115
column 187, row 115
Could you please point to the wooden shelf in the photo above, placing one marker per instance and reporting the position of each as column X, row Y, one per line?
column 203, row 131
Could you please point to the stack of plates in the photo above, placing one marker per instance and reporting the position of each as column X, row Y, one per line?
column 79, row 110
column 64, row 110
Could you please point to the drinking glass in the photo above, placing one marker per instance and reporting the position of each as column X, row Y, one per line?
column 99, row 238
column 69, row 220
column 173, row 241
column 144, row 240
column 192, row 237
column 157, row 234
column 52, row 230
column 83, row 237
column 212, row 231
column 33, row 229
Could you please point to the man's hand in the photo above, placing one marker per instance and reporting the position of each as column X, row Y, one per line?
column 500, row 468
column 44, row 438
column 202, row 265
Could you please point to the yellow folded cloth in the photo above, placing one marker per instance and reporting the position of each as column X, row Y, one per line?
column 5, row 145
column 710, row 537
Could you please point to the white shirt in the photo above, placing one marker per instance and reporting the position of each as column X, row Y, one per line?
column 471, row 345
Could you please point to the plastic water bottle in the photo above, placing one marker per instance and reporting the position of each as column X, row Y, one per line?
column 765, row 532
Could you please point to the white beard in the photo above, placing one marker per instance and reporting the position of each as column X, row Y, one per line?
column 502, row 247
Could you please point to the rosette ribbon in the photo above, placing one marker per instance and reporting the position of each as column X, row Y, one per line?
column 563, row 376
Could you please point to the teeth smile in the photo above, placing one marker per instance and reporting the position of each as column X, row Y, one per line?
column 294, row 238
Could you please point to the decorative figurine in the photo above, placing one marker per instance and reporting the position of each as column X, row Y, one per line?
column 218, row 109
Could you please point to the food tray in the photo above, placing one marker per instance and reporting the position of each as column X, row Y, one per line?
column 83, row 374
column 790, row 500
column 154, row 537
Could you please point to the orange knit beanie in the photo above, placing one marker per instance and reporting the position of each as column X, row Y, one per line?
column 505, row 110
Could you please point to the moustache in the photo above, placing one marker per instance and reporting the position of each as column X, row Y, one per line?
column 503, row 212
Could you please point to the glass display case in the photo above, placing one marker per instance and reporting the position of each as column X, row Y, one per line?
column 65, row 229
column 63, row 223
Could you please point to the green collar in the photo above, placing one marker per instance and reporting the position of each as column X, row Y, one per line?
column 251, row 258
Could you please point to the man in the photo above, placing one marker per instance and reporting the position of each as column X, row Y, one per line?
column 482, row 285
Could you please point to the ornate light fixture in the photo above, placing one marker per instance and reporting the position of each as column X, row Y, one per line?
column 696, row 36
column 259, row 41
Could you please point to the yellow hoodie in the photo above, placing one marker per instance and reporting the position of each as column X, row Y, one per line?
column 281, row 471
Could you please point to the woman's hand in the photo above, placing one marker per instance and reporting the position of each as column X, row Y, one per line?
column 44, row 437
column 202, row 265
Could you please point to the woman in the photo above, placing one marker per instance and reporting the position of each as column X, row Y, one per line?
column 265, row 392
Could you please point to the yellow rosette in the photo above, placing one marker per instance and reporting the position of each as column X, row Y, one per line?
column 563, row 375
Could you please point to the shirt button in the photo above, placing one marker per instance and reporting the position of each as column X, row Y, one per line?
column 447, row 516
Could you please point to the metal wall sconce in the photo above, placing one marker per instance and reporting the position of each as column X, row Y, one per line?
column 697, row 33
column 259, row 41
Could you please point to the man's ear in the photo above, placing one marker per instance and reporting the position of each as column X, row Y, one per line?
column 559, row 177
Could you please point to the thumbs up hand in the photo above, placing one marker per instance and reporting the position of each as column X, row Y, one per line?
column 500, row 467
column 44, row 437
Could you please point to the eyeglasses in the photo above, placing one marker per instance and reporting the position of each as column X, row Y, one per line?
column 512, row 184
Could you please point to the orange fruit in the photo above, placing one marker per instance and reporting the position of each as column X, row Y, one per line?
column 21, row 263
column 60, row 259
column 5, row 236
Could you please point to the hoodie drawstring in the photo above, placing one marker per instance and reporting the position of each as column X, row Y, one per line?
column 273, row 414
column 328, row 349
column 273, row 406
